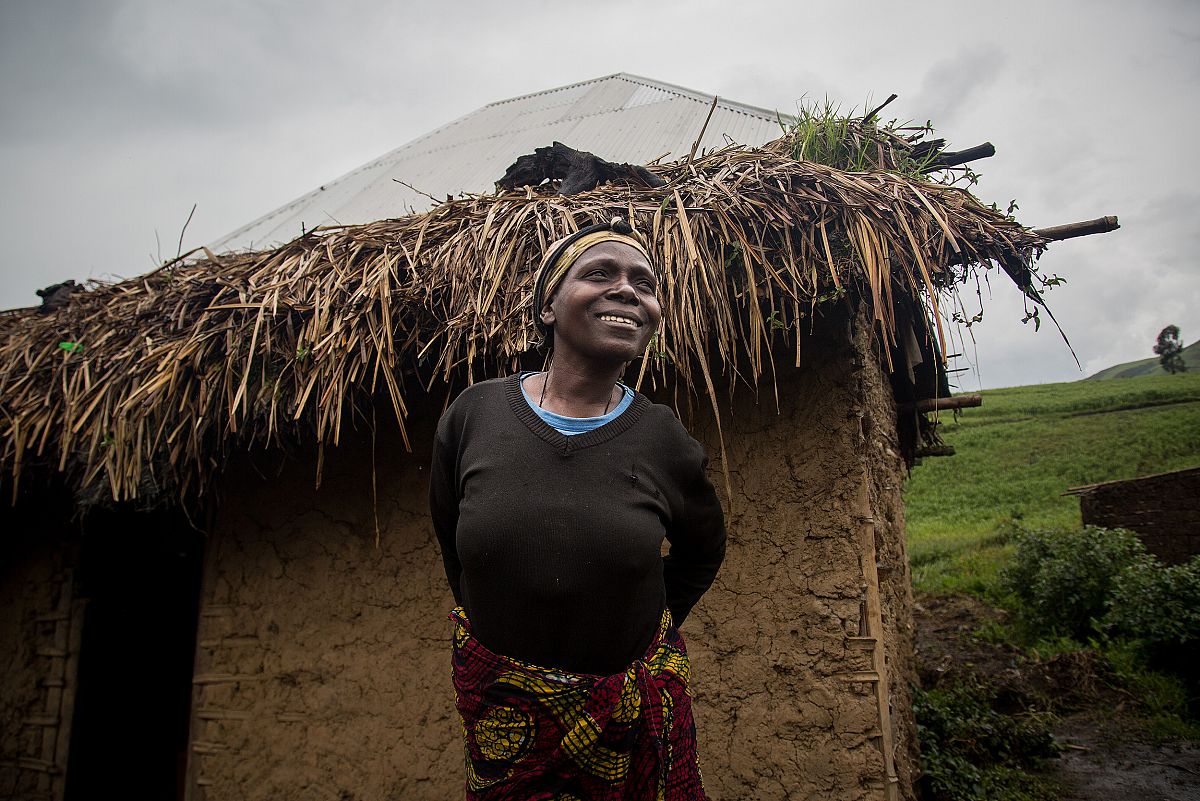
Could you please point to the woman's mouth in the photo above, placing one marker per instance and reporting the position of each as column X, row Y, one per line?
column 616, row 318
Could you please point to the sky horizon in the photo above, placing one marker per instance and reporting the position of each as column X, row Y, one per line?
column 123, row 114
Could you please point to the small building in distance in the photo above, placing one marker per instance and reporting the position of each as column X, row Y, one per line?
column 1162, row 509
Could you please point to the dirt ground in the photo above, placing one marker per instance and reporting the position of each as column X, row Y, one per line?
column 1105, row 756
column 1099, row 763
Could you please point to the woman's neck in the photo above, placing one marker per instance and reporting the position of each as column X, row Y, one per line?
column 576, row 393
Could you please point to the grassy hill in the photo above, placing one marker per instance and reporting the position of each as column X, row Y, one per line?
column 1147, row 367
column 1024, row 447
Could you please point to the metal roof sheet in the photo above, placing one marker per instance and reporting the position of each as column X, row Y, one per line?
column 620, row 117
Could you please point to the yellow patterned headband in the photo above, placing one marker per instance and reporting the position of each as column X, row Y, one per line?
column 563, row 253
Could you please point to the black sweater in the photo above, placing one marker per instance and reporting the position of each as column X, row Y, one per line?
column 552, row 544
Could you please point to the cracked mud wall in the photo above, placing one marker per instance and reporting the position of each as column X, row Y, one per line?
column 323, row 661
column 784, row 707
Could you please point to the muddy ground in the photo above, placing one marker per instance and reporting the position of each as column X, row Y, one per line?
column 1106, row 755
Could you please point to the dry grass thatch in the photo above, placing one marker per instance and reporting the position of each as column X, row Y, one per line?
column 146, row 382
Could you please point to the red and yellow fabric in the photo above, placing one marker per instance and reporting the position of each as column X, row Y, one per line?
column 539, row 734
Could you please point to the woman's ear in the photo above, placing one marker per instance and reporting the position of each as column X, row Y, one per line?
column 547, row 315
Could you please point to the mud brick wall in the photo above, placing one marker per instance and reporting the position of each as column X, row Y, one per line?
column 323, row 661
column 1164, row 510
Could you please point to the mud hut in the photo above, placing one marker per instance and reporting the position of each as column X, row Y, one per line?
column 217, row 535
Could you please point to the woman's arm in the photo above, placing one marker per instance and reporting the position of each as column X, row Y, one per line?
column 697, row 537
column 443, row 507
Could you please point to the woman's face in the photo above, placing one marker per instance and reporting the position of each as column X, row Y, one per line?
column 606, row 307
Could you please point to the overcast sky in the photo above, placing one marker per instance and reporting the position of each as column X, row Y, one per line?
column 116, row 117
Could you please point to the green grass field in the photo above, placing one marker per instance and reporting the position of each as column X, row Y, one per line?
column 1026, row 445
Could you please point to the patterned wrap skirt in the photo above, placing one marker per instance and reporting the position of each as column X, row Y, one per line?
column 540, row 734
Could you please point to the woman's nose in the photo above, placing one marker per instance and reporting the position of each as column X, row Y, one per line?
column 622, row 289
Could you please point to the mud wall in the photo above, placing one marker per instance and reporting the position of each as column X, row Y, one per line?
column 323, row 660
column 784, row 671
column 38, row 648
column 323, row 665
column 886, row 472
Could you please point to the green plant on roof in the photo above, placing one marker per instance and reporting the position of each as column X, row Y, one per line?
column 822, row 133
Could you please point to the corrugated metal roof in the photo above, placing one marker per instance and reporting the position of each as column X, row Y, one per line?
column 620, row 117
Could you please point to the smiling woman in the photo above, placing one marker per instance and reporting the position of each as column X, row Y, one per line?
column 551, row 495
column 602, row 312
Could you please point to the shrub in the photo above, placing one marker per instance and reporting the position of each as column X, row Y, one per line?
column 971, row 752
column 1063, row 577
column 1102, row 586
column 1163, row 698
column 1160, row 606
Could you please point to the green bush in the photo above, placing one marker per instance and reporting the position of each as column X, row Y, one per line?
column 1160, row 607
column 1163, row 699
column 1157, row 604
column 1101, row 586
column 971, row 752
column 1063, row 578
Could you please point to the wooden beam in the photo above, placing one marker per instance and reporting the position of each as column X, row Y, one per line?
column 941, row 404
column 1100, row 225
column 984, row 151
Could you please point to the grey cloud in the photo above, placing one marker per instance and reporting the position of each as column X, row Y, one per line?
column 87, row 70
column 953, row 87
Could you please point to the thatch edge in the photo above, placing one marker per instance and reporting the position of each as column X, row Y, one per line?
column 260, row 347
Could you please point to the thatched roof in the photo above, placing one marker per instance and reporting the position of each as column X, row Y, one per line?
column 144, row 383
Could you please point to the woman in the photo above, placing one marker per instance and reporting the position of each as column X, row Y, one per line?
column 551, row 494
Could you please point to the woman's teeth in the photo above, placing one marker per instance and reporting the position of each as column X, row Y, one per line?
column 611, row 318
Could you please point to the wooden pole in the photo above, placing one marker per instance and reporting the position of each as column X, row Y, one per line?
column 704, row 128
column 874, row 635
column 941, row 404
column 1100, row 225
column 984, row 151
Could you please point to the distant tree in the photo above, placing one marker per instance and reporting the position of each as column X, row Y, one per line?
column 1168, row 348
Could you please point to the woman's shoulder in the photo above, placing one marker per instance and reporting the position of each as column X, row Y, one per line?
column 482, row 391
column 476, row 399
column 662, row 420
column 660, row 413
